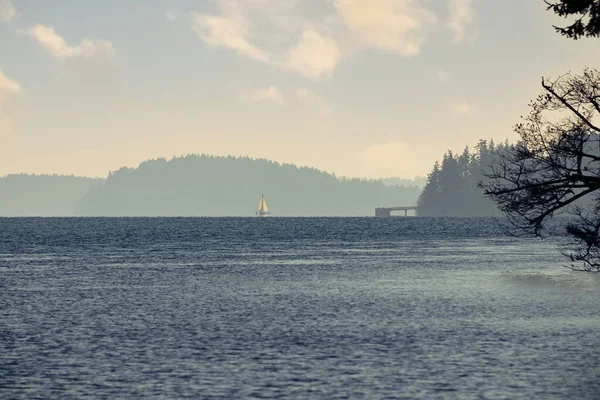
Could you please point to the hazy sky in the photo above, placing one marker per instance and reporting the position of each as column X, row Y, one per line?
column 371, row 88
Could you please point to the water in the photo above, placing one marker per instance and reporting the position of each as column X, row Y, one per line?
column 302, row 308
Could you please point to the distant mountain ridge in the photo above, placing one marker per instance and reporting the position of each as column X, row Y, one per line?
column 200, row 185
column 203, row 185
column 42, row 195
column 418, row 181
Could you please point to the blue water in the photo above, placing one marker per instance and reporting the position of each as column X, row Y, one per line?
column 298, row 308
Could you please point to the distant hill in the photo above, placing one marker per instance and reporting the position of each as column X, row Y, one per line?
column 395, row 181
column 230, row 186
column 42, row 195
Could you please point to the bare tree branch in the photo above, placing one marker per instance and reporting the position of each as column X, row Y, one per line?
column 555, row 167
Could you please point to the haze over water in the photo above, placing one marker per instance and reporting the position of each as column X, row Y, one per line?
column 291, row 307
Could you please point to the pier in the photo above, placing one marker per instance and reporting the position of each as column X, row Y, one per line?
column 387, row 211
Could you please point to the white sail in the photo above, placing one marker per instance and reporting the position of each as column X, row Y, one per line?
column 263, row 210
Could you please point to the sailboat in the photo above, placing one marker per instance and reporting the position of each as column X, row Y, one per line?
column 263, row 210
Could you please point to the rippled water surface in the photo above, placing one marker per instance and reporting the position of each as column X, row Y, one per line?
column 283, row 307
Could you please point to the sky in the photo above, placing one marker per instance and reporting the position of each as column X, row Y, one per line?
column 361, row 88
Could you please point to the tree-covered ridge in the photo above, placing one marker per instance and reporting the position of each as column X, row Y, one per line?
column 452, row 186
column 42, row 195
column 397, row 181
column 204, row 185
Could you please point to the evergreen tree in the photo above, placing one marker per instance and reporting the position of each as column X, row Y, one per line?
column 452, row 187
column 427, row 204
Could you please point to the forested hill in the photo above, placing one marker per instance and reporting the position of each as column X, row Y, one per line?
column 417, row 181
column 229, row 186
column 452, row 185
column 42, row 195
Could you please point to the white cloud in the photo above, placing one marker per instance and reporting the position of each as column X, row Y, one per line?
column 91, row 51
column 462, row 107
column 229, row 32
column 9, row 90
column 288, row 35
column 313, row 99
column 7, row 10
column 269, row 31
column 398, row 26
column 460, row 19
column 272, row 93
column 314, row 56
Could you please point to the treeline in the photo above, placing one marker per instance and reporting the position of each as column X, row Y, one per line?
column 418, row 181
column 452, row 186
column 203, row 185
column 42, row 195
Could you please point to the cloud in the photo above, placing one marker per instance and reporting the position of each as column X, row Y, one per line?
column 272, row 94
column 7, row 10
column 398, row 26
column 443, row 75
column 288, row 35
column 313, row 99
column 171, row 15
column 267, row 31
column 460, row 19
column 229, row 32
column 314, row 56
column 7, row 87
column 56, row 46
column 462, row 107
column 9, row 90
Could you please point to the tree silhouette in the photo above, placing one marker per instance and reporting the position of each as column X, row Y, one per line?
column 555, row 167
column 451, row 188
column 587, row 13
